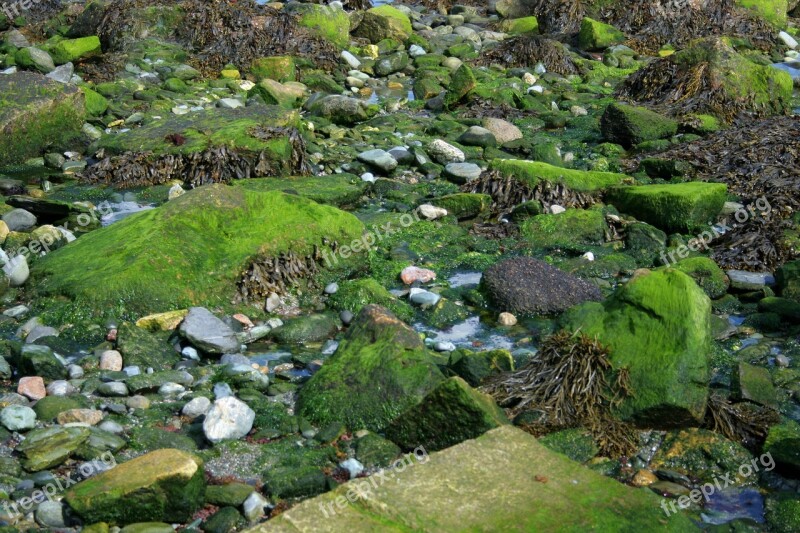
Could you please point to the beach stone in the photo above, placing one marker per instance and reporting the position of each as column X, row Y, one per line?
column 18, row 418
column 208, row 333
column 228, row 418
column 379, row 159
column 32, row 387
column 444, row 153
column 410, row 274
column 431, row 212
column 111, row 360
column 503, row 130
column 462, row 172
column 90, row 417
column 196, row 407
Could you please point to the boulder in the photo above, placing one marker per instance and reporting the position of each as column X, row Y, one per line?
column 658, row 327
column 71, row 50
column 783, row 443
column 209, row 333
column 164, row 485
column 380, row 369
column 596, row 35
column 50, row 447
column 384, row 22
column 528, row 286
column 228, row 419
column 630, row 125
column 341, row 110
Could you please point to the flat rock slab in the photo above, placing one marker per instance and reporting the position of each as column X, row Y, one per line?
column 502, row 481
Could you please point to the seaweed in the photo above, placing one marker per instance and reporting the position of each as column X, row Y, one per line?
column 569, row 384
column 528, row 50
column 741, row 422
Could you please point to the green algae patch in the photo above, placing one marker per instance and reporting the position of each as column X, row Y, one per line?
column 540, row 490
column 574, row 229
column 381, row 369
column 70, row 50
column 773, row 11
column 707, row 274
column 675, row 207
column 596, row 35
column 335, row 189
column 326, row 22
column 354, row 295
column 190, row 251
column 631, row 125
column 164, row 485
column 783, row 443
column 533, row 172
column 658, row 328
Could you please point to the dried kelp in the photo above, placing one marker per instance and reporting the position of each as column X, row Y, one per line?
column 527, row 51
column 278, row 275
column 760, row 163
column 745, row 423
column 298, row 162
column 569, row 384
column 214, row 165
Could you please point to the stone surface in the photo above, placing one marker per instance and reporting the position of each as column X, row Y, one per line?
column 208, row 333
column 18, row 418
column 228, row 418
column 32, row 387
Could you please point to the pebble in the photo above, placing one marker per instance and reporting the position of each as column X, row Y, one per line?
column 254, row 507
column 190, row 353
column 332, row 288
column 410, row 274
column 644, row 478
column 197, row 407
column 589, row 256
column 75, row 372
column 138, row 402
column 444, row 346
column 229, row 418
column 557, row 209
column 50, row 514
column 17, row 311
column 354, row 467
column 431, row 212
column 462, row 172
column 111, row 360
column 32, row 387
column 171, row 389
column 89, row 417
column 60, row 387
column 507, row 319
column 423, row 297
column 111, row 427
column 18, row 418
column 114, row 389
column 415, row 50
column 445, row 153
column 368, row 177
column 346, row 317
column 351, row 60
column 788, row 40
column 380, row 159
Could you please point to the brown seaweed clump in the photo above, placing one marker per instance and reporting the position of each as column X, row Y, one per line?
column 569, row 384
column 745, row 423
column 526, row 51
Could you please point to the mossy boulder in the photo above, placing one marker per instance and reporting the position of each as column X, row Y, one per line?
column 658, row 327
column 70, row 50
column 464, row 205
column 573, row 230
column 384, row 22
column 532, row 172
column 230, row 494
column 451, row 413
column 631, row 125
column 773, row 11
column 679, row 207
column 788, row 310
column 701, row 454
column 754, row 384
column 520, row 25
column 372, row 450
column 783, row 443
column 707, row 274
column 576, row 443
column 145, row 349
column 96, row 103
column 474, row 367
column 380, row 369
column 596, row 35
column 540, row 490
column 354, row 295
column 312, row 328
column 49, row 447
column 327, row 22
column 335, row 189
column 50, row 406
column 462, row 82
column 164, row 485
column 37, row 114
column 644, row 243
column 205, row 238
column 783, row 512
column 278, row 68
column 788, row 280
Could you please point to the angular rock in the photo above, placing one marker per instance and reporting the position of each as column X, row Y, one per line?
column 629, row 125
column 49, row 447
column 209, row 333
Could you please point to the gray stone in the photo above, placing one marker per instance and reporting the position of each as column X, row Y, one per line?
column 16, row 39
column 353, row 467
column 254, row 506
column 61, row 387
column 18, row 418
column 36, row 58
column 332, row 288
column 230, row 103
column 750, row 281
column 228, row 418
column 16, row 269
column 478, row 136
column 462, row 172
column 63, row 73
column 19, row 220
column 351, row 60
column 445, row 153
column 40, row 332
column 197, row 407
column 113, row 389
column 222, row 390
column 208, row 332
column 379, row 159
column 50, row 514
column 423, row 297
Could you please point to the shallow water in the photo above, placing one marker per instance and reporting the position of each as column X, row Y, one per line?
column 122, row 210
column 732, row 504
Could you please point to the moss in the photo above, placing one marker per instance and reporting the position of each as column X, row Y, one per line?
column 673, row 207
column 520, row 25
column 374, row 451
column 462, row 82
column 70, row 50
column 657, row 327
column 783, row 512
column 397, row 17
column 380, row 369
column 353, row 295
column 701, row 454
column 96, row 104
column 630, row 125
column 707, row 274
column 644, row 243
column 278, row 68
column 49, row 407
column 327, row 22
column 451, row 413
column 773, row 11
column 573, row 230
column 702, row 124
column 788, row 280
column 596, row 35
column 336, row 189
column 577, row 444
column 474, row 367
column 533, row 172
column 115, row 266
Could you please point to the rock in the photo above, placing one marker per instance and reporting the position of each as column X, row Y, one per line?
column 50, row 514
column 196, row 407
column 224, row 520
column 254, row 506
column 503, row 131
column 550, row 483
column 138, row 402
column 208, row 333
column 165, row 484
column 451, row 413
column 754, row 384
column 629, row 125
column 787, row 278
column 228, row 418
column 391, row 63
column 351, row 60
column 462, row 172
column 507, row 319
column 377, row 348
column 788, row 40
column 431, row 212
column 36, row 113
column 40, row 332
column 658, row 327
column 16, row 269
column 62, row 74
column 111, row 360
column 678, row 207
column 384, row 22
column 114, row 389
column 444, row 346
column 19, row 220
column 69, row 50
column 147, row 349
column 331, row 288
column 346, row 317
column 32, row 387
column 16, row 38
column 378, row 159
column 783, row 444
column 61, row 387
column 474, row 367
column 596, row 35
column 90, row 417
column 423, row 297
column 233, row 494
column 50, row 447
column 444, row 153
column 410, row 274
column 750, row 281
column 305, row 329
column 36, row 58
column 528, row 286
column 461, row 84
column 341, row 110
column 18, row 418
column 478, row 136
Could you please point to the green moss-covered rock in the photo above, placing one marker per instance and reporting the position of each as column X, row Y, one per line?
column 145, row 349
column 783, row 443
column 533, row 172
column 37, row 114
column 96, row 103
column 206, row 238
column 707, row 274
column 326, row 22
column 278, row 68
column 49, row 447
column 36, row 360
column 384, row 22
column 754, row 384
column 783, row 512
column 773, row 11
column 451, row 413
column 224, row 521
column 380, row 369
column 540, row 491
column 680, row 207
column 336, row 189
column 231, row 494
column 353, row 295
column 630, row 125
column 462, row 82
column 596, row 35
column 573, row 230
column 464, row 205
column 644, row 243
column 789, row 310
column 311, row 328
column 474, row 367
column 577, row 444
column 70, row 50
column 701, row 454
column 658, row 328
column 520, row 25
column 788, row 280
column 372, row 450
column 164, row 485
column 50, row 406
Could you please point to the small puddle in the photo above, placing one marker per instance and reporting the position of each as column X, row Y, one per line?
column 122, row 210
column 468, row 334
column 733, row 504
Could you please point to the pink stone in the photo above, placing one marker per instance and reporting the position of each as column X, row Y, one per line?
column 111, row 360
column 411, row 274
column 32, row 387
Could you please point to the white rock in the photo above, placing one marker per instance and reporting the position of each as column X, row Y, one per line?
column 351, row 60
column 589, row 256
column 507, row 319
column 536, row 89
column 111, row 360
column 353, row 467
column 254, row 506
column 228, row 418
column 788, row 40
column 197, row 407
column 431, row 212
column 556, row 209
column 529, row 78
column 444, row 153
column 415, row 50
